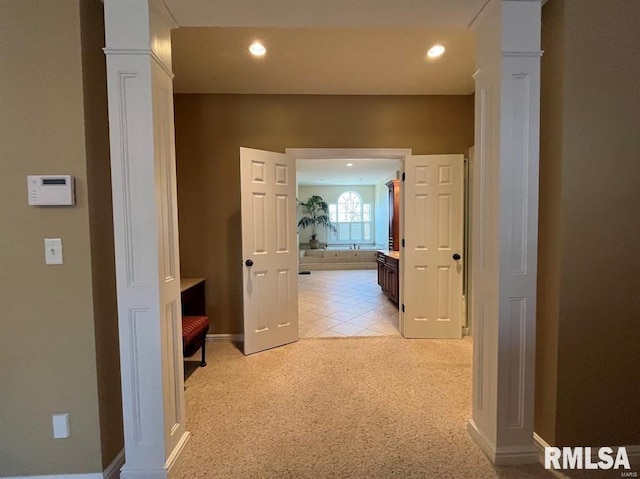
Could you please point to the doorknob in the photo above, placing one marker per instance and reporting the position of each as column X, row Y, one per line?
column 248, row 262
column 456, row 256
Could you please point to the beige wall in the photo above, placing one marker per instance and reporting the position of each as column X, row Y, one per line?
column 550, row 225
column 210, row 129
column 48, row 349
column 96, row 124
column 598, row 202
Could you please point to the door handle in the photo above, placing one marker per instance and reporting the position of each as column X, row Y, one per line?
column 248, row 263
column 456, row 256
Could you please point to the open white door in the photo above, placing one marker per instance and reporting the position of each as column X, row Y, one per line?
column 270, row 262
column 433, row 233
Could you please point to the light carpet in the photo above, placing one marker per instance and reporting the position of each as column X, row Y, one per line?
column 374, row 407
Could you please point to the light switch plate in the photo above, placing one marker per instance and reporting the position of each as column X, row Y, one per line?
column 53, row 250
column 61, row 426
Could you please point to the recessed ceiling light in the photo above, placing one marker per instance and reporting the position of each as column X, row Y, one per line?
column 435, row 51
column 349, row 164
column 257, row 49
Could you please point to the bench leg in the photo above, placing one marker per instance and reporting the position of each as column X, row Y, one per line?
column 203, row 363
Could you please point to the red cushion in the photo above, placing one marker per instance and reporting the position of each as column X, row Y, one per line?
column 192, row 327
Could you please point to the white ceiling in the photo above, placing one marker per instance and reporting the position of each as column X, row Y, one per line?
column 370, row 47
column 336, row 172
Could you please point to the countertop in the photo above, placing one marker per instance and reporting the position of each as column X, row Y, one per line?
column 391, row 254
column 186, row 283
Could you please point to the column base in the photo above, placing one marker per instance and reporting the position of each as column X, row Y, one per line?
column 504, row 455
column 163, row 472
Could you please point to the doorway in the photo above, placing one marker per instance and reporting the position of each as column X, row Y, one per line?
column 339, row 294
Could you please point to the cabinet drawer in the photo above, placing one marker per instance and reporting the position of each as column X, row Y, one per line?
column 391, row 262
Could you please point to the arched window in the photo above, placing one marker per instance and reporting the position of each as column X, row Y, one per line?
column 352, row 218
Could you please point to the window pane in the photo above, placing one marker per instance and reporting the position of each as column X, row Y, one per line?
column 333, row 212
column 366, row 212
column 342, row 212
column 367, row 231
column 343, row 231
column 349, row 207
column 356, row 231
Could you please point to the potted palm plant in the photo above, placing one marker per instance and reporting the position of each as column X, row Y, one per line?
column 315, row 213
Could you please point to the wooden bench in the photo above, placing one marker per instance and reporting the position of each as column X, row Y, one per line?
column 195, row 322
column 194, row 336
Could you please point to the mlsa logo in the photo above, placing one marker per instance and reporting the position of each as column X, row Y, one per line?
column 580, row 458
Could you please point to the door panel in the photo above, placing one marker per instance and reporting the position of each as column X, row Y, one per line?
column 433, row 219
column 270, row 279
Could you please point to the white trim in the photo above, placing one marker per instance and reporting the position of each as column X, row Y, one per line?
column 485, row 444
column 219, row 338
column 532, row 53
column 338, row 153
column 141, row 51
column 167, row 14
column 113, row 470
column 174, row 457
column 633, row 452
column 506, row 455
column 540, row 444
column 477, row 15
column 93, row 475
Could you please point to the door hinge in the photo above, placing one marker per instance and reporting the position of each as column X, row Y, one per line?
column 403, row 242
column 404, row 176
column 403, row 307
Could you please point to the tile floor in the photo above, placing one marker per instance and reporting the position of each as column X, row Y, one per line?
column 344, row 303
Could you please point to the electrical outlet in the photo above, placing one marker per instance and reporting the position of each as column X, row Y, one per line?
column 53, row 250
column 61, row 426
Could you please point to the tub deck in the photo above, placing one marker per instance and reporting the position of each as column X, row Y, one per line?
column 335, row 259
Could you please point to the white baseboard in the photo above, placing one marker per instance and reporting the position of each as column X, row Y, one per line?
column 163, row 472
column 93, row 475
column 503, row 456
column 233, row 338
column 633, row 452
column 540, row 444
column 177, row 451
column 487, row 446
column 113, row 470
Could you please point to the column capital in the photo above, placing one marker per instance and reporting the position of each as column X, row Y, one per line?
column 141, row 27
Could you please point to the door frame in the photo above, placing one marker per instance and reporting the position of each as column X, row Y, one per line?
column 507, row 106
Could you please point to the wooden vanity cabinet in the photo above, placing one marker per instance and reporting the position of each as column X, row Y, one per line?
column 389, row 276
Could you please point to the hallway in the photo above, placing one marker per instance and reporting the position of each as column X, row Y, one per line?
column 375, row 407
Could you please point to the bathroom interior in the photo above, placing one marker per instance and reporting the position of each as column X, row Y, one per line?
column 348, row 284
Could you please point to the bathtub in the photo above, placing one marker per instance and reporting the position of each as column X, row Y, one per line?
column 338, row 258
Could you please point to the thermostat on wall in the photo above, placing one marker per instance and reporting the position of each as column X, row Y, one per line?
column 51, row 190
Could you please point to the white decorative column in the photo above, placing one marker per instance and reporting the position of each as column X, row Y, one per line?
column 140, row 90
column 505, row 229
